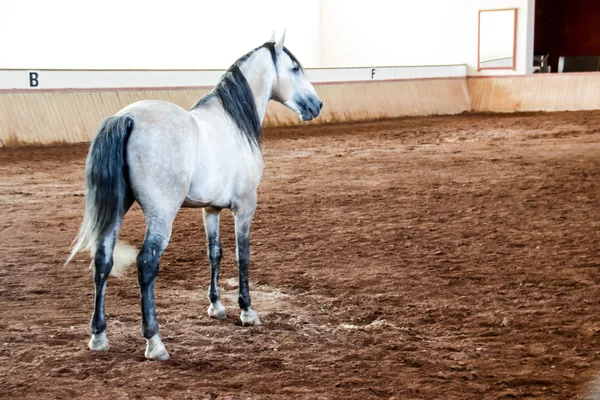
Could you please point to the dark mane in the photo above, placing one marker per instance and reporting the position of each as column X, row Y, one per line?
column 235, row 95
column 271, row 47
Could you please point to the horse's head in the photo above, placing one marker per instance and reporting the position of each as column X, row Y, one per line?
column 291, row 87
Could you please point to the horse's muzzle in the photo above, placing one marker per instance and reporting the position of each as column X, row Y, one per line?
column 309, row 107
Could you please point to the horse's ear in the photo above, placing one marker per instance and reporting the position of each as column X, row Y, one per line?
column 279, row 45
column 272, row 38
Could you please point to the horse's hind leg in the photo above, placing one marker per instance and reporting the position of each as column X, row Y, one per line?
column 158, row 232
column 211, row 218
column 103, row 263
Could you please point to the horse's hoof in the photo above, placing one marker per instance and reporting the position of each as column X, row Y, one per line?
column 249, row 318
column 217, row 311
column 98, row 342
column 155, row 349
column 157, row 355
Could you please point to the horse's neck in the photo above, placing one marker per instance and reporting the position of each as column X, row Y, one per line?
column 259, row 71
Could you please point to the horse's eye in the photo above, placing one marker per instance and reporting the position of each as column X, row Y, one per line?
column 296, row 68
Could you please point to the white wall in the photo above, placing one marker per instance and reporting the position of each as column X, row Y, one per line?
column 211, row 34
column 409, row 32
column 150, row 34
column 382, row 32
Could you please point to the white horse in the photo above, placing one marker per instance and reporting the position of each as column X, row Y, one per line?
column 165, row 157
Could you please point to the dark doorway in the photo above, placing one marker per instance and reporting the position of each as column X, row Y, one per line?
column 567, row 28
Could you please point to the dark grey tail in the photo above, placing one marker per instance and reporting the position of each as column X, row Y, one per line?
column 108, row 194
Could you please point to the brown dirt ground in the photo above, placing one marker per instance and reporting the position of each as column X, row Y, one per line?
column 450, row 257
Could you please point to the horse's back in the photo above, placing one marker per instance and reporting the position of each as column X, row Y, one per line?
column 161, row 152
column 159, row 116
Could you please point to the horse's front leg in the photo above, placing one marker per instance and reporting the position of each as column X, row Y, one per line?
column 242, row 219
column 211, row 218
